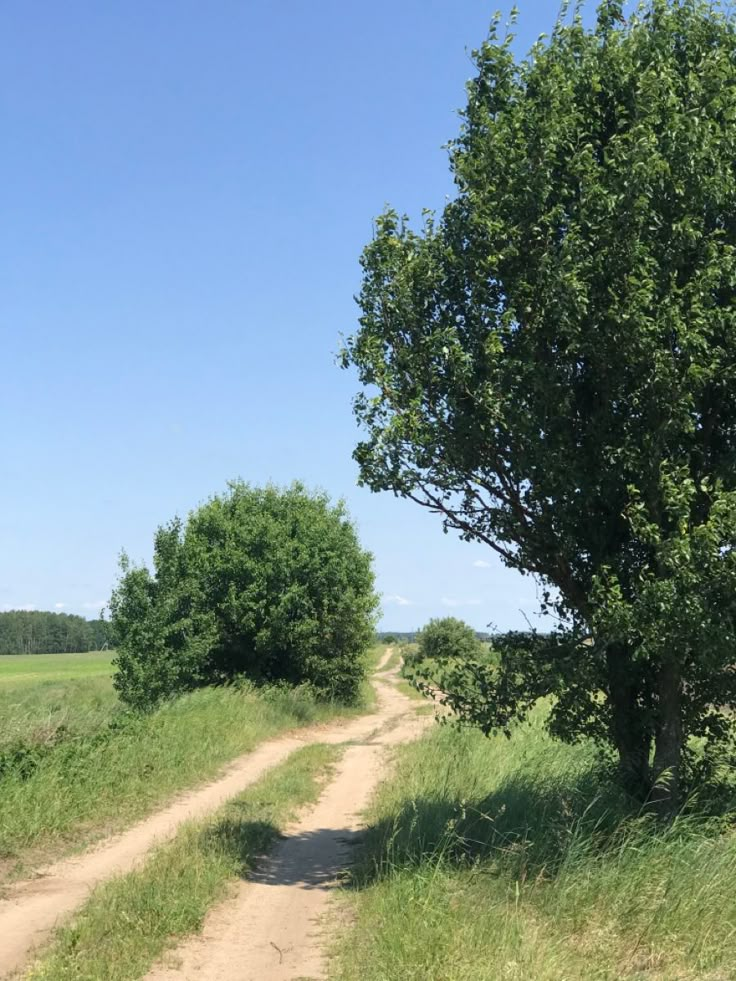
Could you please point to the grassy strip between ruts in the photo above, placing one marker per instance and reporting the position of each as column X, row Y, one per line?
column 97, row 782
column 489, row 860
column 131, row 920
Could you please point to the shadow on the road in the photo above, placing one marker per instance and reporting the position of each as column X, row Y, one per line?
column 313, row 860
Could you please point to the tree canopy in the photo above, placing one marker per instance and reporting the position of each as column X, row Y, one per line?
column 448, row 637
column 550, row 365
column 265, row 583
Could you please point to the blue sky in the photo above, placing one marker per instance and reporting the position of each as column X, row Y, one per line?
column 186, row 191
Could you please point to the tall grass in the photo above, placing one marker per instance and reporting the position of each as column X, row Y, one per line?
column 102, row 777
column 46, row 712
column 490, row 859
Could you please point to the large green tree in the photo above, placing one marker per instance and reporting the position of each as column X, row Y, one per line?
column 267, row 583
column 550, row 365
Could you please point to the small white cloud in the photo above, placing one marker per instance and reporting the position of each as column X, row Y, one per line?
column 97, row 605
column 482, row 564
column 59, row 606
column 450, row 601
column 397, row 600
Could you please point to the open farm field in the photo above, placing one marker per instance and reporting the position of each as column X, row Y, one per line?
column 24, row 669
column 47, row 697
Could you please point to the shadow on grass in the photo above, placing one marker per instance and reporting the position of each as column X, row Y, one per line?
column 526, row 827
column 240, row 841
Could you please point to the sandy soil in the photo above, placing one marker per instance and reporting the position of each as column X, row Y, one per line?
column 31, row 909
column 271, row 929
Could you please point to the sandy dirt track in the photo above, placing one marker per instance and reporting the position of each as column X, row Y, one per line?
column 271, row 930
column 31, row 909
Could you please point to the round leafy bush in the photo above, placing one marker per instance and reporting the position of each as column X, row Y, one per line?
column 267, row 583
column 448, row 637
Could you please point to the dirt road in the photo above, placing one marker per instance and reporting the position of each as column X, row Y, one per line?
column 31, row 909
column 270, row 930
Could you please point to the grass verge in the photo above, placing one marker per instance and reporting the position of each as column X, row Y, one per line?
column 74, row 791
column 131, row 920
column 490, row 860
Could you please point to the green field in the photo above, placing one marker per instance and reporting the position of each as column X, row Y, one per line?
column 21, row 669
column 45, row 698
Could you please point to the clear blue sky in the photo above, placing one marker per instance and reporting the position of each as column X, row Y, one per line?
column 186, row 190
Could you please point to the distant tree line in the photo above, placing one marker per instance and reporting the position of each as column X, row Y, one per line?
column 410, row 636
column 40, row 632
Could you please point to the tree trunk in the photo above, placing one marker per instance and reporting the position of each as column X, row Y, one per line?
column 630, row 728
column 669, row 740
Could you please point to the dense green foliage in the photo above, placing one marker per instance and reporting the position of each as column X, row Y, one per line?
column 269, row 584
column 448, row 637
column 551, row 366
column 441, row 644
column 490, row 860
column 38, row 632
column 493, row 686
